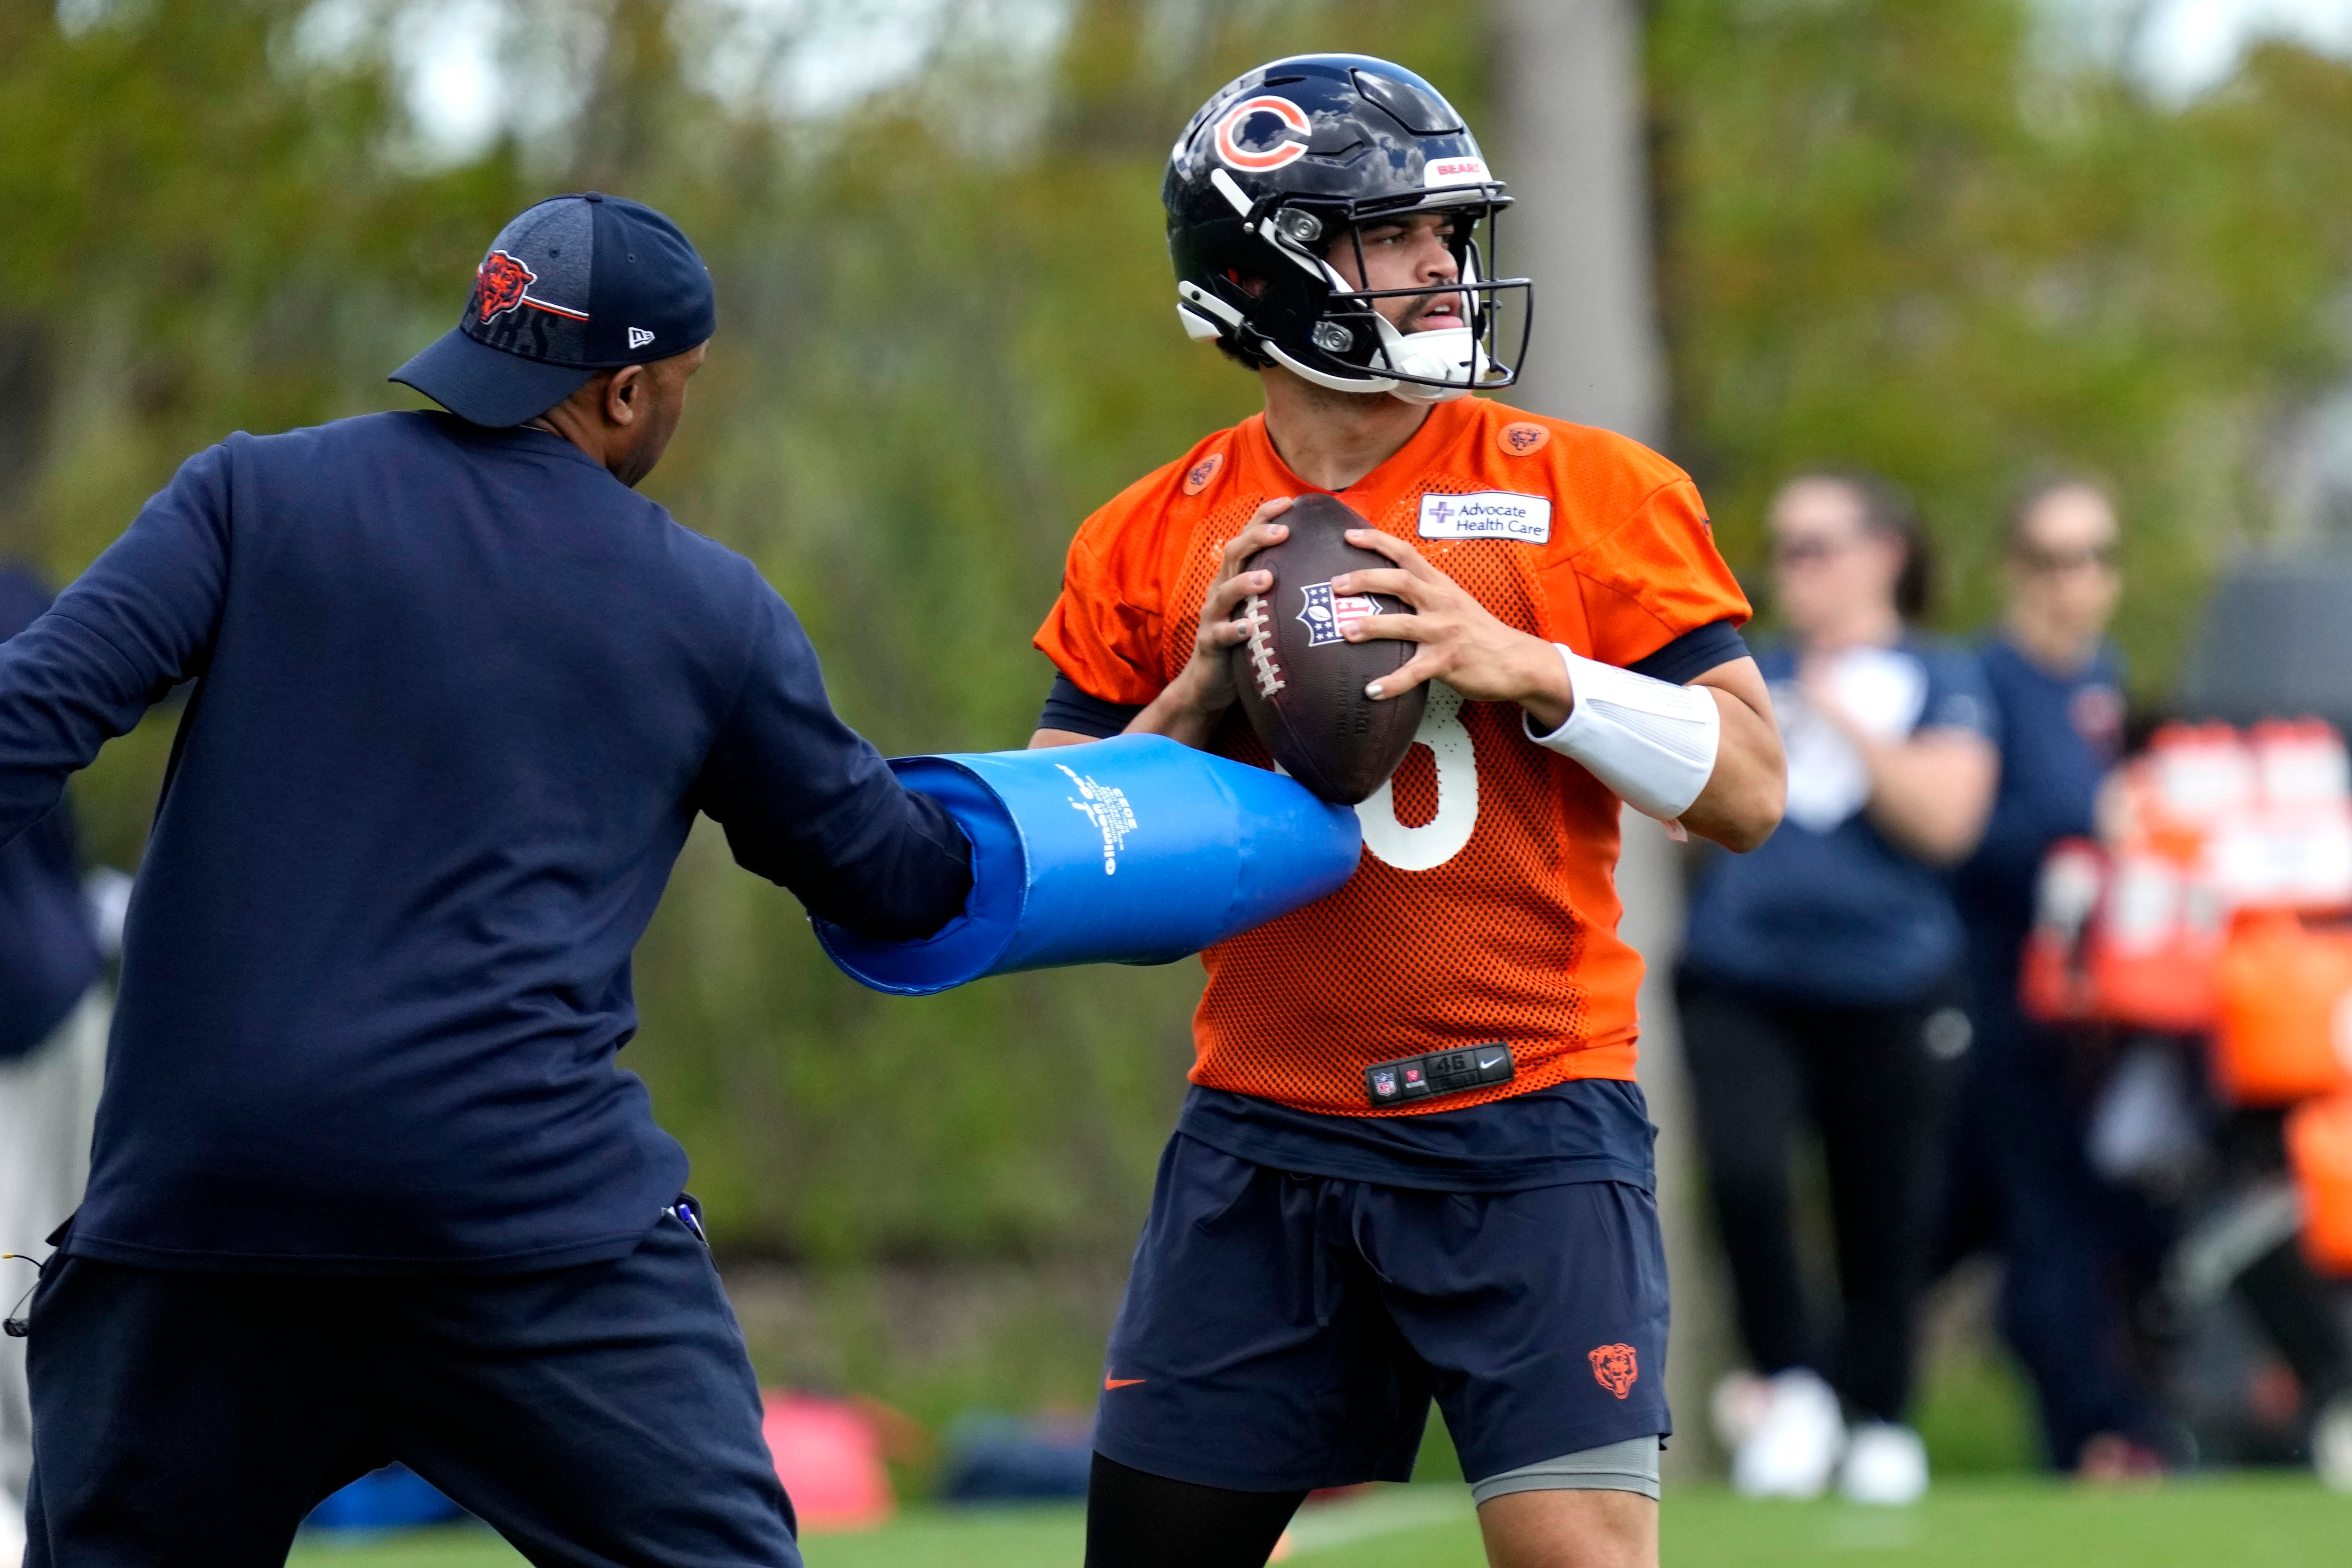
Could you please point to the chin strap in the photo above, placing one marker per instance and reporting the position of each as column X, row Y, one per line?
column 1451, row 355
column 1651, row 741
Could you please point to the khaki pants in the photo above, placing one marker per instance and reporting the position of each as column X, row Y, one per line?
column 48, row 1100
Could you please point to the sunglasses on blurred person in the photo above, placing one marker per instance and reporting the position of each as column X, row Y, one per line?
column 1790, row 554
column 2061, row 562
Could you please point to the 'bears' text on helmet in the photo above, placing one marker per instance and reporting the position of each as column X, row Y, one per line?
column 1293, row 158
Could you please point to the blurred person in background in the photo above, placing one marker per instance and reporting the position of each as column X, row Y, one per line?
column 53, row 1017
column 2020, row 1180
column 1820, row 985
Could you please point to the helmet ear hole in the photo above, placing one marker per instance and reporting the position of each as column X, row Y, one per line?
column 1253, row 287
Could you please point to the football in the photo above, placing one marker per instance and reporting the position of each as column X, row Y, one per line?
column 1301, row 681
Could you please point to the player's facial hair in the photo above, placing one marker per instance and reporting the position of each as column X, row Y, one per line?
column 1331, row 400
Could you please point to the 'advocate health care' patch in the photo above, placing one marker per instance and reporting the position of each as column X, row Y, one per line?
column 1487, row 515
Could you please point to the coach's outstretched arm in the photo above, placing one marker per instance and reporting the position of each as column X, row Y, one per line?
column 807, row 803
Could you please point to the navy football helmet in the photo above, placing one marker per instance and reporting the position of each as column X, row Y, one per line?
column 1294, row 158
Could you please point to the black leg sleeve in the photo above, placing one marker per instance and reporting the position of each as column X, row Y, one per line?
column 1138, row 1520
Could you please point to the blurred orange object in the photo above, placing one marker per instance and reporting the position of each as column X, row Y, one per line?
column 2286, row 1011
column 2188, row 916
column 2130, row 938
column 2319, row 1147
column 2054, row 980
column 2153, row 954
column 828, row 1454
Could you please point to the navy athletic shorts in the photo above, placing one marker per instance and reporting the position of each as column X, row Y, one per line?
column 1284, row 1331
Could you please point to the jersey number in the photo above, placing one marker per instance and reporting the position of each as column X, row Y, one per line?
column 1440, row 839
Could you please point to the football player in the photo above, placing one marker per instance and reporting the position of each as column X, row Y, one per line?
column 1414, row 1162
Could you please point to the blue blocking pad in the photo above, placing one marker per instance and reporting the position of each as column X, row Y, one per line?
column 1138, row 850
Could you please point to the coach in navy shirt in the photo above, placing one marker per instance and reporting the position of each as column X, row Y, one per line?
column 2020, row 1180
column 368, row 1184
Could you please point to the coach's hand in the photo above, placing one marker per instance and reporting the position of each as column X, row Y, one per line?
column 1188, row 709
column 1462, row 643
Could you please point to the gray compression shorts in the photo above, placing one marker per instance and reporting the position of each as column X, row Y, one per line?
column 1629, row 1466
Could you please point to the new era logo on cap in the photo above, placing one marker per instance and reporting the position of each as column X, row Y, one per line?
column 574, row 285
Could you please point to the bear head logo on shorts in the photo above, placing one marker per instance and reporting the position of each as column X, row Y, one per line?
column 1614, row 1368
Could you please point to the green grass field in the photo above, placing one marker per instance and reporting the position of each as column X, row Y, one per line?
column 2242, row 1521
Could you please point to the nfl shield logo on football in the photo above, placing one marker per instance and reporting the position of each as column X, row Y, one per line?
column 1384, row 1084
column 1327, row 615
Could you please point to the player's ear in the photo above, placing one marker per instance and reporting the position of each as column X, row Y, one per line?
column 623, row 394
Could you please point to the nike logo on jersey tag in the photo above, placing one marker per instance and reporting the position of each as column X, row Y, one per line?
column 1109, row 1382
column 1488, row 515
column 1486, row 1064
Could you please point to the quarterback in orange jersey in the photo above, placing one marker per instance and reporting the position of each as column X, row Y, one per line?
column 1413, row 1162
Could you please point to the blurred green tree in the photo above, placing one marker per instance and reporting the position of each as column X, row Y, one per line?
column 1908, row 238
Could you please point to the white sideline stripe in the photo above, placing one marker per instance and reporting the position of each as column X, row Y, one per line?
column 1384, row 1513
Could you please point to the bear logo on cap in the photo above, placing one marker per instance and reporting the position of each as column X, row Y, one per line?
column 499, row 284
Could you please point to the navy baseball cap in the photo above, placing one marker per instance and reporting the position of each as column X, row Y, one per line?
column 575, row 285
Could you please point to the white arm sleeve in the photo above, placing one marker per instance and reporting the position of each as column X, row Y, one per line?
column 1651, row 741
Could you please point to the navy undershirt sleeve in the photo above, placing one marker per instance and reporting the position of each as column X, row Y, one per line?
column 1068, row 708
column 807, row 803
column 1694, row 654
column 137, row 623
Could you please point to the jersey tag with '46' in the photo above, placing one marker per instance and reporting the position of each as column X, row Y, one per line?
column 1487, row 515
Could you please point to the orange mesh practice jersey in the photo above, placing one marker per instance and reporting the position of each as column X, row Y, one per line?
column 1485, row 908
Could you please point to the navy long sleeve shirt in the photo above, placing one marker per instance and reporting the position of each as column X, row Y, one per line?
column 48, row 954
column 460, row 694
